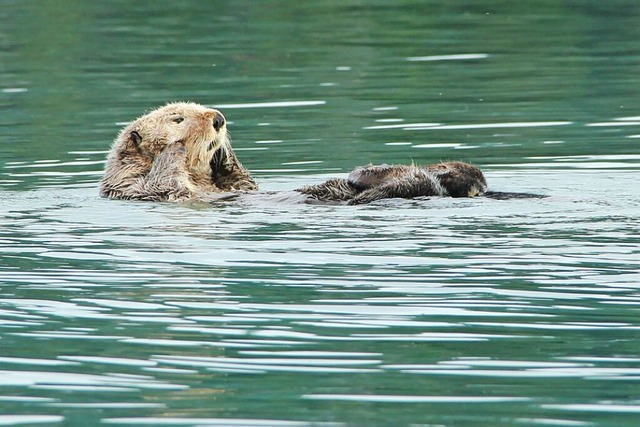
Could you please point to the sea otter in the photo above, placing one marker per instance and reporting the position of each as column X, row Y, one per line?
column 178, row 152
column 366, row 184
column 182, row 152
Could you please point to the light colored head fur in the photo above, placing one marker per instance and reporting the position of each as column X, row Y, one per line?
column 201, row 130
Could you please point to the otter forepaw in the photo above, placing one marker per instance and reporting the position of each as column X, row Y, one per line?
column 173, row 159
column 169, row 177
column 176, row 151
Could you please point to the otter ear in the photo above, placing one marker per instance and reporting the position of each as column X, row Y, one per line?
column 135, row 138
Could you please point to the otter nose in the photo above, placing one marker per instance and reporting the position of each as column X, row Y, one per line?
column 218, row 121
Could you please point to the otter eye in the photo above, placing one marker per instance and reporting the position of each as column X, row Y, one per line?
column 178, row 119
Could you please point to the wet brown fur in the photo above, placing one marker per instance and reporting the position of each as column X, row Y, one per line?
column 366, row 184
column 177, row 152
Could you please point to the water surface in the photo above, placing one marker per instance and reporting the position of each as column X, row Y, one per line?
column 456, row 312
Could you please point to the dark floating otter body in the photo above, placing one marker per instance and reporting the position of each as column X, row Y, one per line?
column 366, row 184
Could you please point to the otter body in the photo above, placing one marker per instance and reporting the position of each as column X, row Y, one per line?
column 181, row 151
column 177, row 152
column 366, row 184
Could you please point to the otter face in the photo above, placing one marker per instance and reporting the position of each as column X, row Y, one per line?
column 201, row 130
column 459, row 179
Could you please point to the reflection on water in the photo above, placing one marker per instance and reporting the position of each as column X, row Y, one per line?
column 263, row 311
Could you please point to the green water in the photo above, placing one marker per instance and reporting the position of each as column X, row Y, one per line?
column 439, row 312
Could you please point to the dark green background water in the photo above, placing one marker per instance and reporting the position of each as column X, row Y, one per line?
column 426, row 312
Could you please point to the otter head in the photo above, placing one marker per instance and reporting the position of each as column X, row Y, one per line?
column 201, row 130
column 459, row 179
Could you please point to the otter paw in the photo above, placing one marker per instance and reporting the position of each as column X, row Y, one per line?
column 172, row 158
column 176, row 149
column 169, row 167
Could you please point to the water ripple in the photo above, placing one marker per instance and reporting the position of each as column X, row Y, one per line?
column 85, row 382
column 271, row 104
column 230, row 422
column 415, row 399
column 183, row 305
column 452, row 57
column 29, row 419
